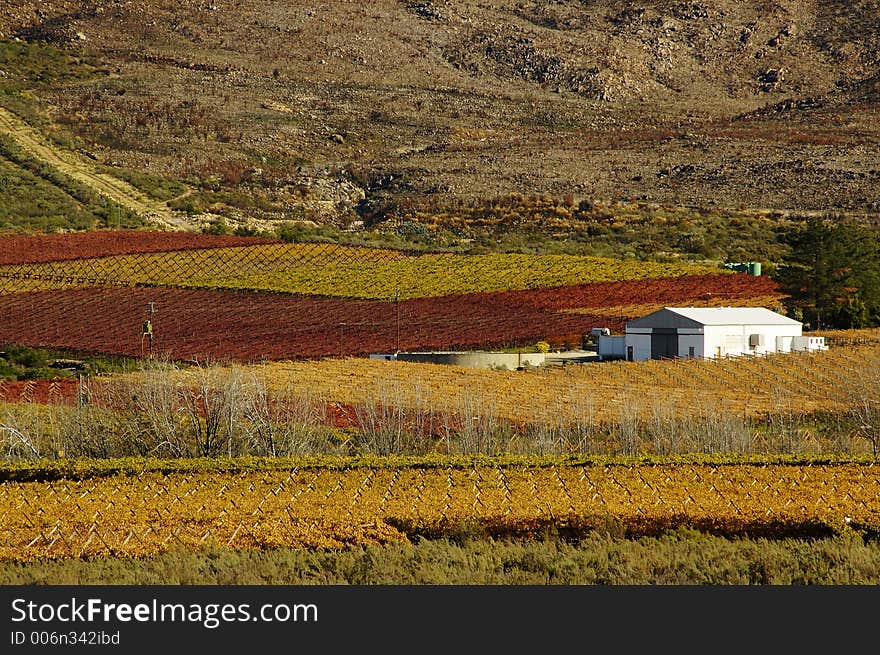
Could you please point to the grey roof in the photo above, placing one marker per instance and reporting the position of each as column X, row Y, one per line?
column 672, row 317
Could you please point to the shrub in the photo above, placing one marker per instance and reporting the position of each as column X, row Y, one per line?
column 217, row 226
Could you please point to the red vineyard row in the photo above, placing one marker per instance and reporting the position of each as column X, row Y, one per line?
column 696, row 289
column 249, row 326
column 20, row 249
column 57, row 391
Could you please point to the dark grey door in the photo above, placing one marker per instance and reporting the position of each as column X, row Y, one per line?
column 664, row 343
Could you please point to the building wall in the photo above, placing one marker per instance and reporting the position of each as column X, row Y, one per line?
column 640, row 341
column 733, row 340
column 475, row 359
column 809, row 343
column 784, row 344
column 611, row 346
column 714, row 340
column 688, row 341
column 718, row 341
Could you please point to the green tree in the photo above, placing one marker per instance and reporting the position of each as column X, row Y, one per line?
column 832, row 274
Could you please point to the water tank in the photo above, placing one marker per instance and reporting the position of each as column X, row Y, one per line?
column 754, row 268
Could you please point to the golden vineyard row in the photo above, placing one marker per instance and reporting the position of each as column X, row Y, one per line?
column 322, row 508
column 745, row 386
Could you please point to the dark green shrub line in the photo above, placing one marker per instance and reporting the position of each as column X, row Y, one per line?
column 85, row 468
column 19, row 362
column 576, row 528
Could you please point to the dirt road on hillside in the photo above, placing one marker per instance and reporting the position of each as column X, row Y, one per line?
column 79, row 169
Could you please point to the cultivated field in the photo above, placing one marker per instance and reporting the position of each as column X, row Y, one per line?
column 331, row 270
column 240, row 299
column 341, row 453
column 330, row 507
column 796, row 403
column 313, row 322
column 597, row 391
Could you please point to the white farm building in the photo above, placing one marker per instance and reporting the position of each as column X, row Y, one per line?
column 709, row 332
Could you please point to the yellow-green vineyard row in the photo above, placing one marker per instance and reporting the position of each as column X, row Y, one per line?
column 340, row 271
column 324, row 508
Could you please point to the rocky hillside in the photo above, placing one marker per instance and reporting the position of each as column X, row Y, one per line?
column 725, row 103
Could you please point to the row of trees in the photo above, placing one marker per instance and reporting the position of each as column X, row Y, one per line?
column 832, row 274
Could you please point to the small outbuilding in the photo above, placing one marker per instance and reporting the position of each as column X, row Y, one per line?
column 709, row 332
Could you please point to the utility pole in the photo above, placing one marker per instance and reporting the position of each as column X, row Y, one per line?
column 396, row 300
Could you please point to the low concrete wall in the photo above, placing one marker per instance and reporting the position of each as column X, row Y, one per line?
column 501, row 361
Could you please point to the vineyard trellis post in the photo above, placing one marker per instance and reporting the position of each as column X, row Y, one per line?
column 84, row 390
column 395, row 298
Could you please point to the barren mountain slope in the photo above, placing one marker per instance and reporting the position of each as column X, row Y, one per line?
column 758, row 104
